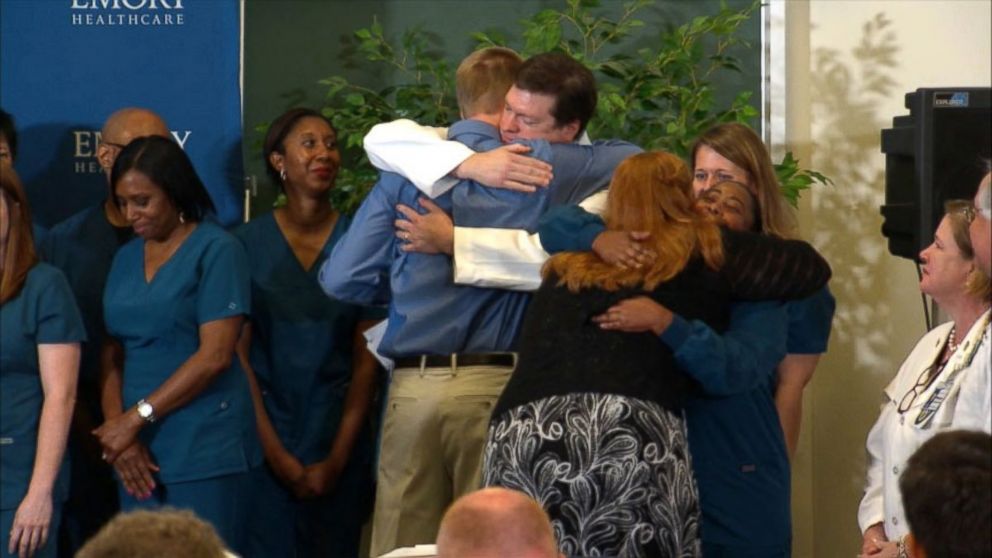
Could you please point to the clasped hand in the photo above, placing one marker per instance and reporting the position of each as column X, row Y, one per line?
column 625, row 249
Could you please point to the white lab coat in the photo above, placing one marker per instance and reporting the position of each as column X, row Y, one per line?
column 895, row 436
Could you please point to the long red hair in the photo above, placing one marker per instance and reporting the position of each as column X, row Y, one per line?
column 19, row 255
column 649, row 192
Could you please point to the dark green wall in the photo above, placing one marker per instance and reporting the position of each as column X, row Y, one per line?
column 291, row 44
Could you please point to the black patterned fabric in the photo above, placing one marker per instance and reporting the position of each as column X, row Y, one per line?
column 612, row 472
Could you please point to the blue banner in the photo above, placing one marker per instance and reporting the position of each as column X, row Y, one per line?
column 66, row 65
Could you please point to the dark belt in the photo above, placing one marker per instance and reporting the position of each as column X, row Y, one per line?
column 458, row 359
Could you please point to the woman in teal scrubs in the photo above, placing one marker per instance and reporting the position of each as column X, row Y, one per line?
column 179, row 426
column 314, row 375
column 40, row 332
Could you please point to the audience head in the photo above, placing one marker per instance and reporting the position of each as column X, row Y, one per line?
column 947, row 496
column 8, row 137
column 733, row 151
column 732, row 204
column 482, row 80
column 553, row 98
column 17, row 255
column 949, row 265
column 495, row 523
column 301, row 148
column 157, row 187
column 163, row 533
column 121, row 128
column 981, row 225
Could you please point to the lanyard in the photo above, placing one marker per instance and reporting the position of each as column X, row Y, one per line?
column 960, row 361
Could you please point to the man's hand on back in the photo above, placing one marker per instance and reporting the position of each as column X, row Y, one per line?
column 427, row 233
column 506, row 167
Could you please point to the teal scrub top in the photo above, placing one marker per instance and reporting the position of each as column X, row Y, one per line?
column 83, row 247
column 158, row 323
column 302, row 340
column 44, row 312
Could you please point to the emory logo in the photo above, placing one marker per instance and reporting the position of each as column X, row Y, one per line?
column 127, row 12
column 85, row 142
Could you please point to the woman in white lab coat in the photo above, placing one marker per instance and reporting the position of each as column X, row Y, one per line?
column 943, row 384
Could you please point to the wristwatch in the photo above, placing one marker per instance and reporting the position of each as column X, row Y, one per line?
column 146, row 411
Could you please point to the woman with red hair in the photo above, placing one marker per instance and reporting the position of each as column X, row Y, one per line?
column 590, row 423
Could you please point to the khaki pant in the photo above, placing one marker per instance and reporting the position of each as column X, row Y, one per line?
column 433, row 437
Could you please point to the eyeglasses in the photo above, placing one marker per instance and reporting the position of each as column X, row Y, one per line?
column 926, row 378
column 962, row 207
column 112, row 144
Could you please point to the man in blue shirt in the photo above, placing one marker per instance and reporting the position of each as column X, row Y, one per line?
column 83, row 247
column 453, row 344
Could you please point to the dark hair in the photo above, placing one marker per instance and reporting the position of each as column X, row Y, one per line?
column 168, row 166
column 276, row 136
column 567, row 80
column 9, row 131
column 947, row 494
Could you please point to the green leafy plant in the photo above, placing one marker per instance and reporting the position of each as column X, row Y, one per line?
column 660, row 97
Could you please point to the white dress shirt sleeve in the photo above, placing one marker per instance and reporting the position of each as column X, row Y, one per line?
column 506, row 258
column 422, row 154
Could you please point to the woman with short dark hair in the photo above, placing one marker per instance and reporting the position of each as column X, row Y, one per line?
column 315, row 377
column 179, row 425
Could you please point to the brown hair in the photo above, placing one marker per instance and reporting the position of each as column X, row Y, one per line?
column 19, row 255
column 649, row 192
column 162, row 533
column 483, row 78
column 741, row 146
column 567, row 80
column 977, row 284
column 946, row 489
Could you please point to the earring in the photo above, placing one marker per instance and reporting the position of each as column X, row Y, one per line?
column 282, row 174
column 182, row 218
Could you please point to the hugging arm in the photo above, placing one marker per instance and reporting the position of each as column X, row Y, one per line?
column 762, row 267
column 425, row 157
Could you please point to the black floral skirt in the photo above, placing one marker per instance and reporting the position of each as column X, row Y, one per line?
column 613, row 473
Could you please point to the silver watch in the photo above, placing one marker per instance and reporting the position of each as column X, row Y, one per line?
column 146, row 411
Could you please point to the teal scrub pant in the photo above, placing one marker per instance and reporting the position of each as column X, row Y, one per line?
column 326, row 527
column 48, row 550
column 221, row 501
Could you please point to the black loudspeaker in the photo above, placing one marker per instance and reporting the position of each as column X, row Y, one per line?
column 934, row 154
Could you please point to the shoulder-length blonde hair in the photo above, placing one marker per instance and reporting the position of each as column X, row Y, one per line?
column 19, row 255
column 741, row 146
column 977, row 284
column 649, row 192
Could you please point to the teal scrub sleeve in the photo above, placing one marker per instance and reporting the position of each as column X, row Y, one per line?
column 225, row 283
column 569, row 228
column 59, row 320
column 738, row 361
column 810, row 320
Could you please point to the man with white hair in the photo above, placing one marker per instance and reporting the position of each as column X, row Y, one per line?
column 981, row 229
